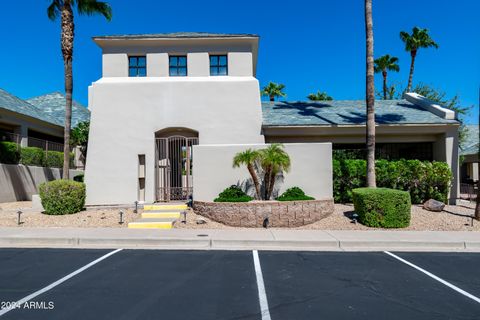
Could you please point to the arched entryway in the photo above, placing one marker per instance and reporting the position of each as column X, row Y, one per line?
column 173, row 163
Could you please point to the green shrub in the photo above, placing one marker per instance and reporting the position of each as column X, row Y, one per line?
column 422, row 179
column 31, row 156
column 233, row 194
column 382, row 207
column 54, row 159
column 79, row 177
column 294, row 194
column 9, row 152
column 62, row 196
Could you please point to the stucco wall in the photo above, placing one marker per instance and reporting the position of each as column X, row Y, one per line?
column 311, row 170
column 127, row 112
column 19, row 182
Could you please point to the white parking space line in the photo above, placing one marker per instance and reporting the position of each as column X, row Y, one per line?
column 262, row 295
column 56, row 283
column 431, row 275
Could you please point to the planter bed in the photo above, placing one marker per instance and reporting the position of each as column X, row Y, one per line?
column 254, row 213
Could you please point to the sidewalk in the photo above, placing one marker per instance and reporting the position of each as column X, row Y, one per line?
column 271, row 239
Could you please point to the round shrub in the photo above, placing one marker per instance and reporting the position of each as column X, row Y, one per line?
column 9, row 152
column 233, row 194
column 382, row 207
column 62, row 196
column 32, row 156
column 294, row 194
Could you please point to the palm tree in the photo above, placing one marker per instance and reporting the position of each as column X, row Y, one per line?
column 64, row 9
column 418, row 39
column 273, row 90
column 248, row 158
column 370, row 96
column 273, row 160
column 319, row 96
column 383, row 64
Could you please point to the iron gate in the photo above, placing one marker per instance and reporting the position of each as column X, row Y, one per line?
column 173, row 167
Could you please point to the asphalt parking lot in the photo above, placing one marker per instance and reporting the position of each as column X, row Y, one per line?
column 156, row 284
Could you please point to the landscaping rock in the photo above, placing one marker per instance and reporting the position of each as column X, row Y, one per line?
column 200, row 221
column 434, row 205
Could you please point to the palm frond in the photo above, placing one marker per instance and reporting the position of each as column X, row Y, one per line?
column 53, row 9
column 92, row 7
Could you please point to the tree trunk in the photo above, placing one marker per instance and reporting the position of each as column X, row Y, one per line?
column 385, row 89
column 271, row 185
column 272, row 98
column 266, row 182
column 67, row 52
column 413, row 54
column 370, row 97
column 254, row 176
column 477, row 207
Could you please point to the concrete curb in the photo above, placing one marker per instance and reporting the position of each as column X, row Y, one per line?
column 208, row 243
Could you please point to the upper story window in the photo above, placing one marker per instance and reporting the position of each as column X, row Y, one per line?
column 137, row 66
column 178, row 66
column 218, row 65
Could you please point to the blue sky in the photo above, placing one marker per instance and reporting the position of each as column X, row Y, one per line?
column 307, row 45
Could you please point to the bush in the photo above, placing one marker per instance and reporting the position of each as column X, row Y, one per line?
column 422, row 179
column 62, row 196
column 9, row 152
column 31, row 156
column 79, row 177
column 382, row 207
column 54, row 159
column 233, row 194
column 294, row 194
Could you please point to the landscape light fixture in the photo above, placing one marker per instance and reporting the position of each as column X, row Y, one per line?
column 136, row 207
column 19, row 213
column 121, row 217
column 354, row 218
column 266, row 222
column 184, row 216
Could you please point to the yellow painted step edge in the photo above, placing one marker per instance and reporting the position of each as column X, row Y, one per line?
column 174, row 215
column 165, row 207
column 150, row 225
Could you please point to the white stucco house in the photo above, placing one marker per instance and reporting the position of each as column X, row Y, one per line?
column 161, row 94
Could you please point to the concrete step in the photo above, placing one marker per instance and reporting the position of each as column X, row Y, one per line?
column 162, row 214
column 152, row 223
column 170, row 207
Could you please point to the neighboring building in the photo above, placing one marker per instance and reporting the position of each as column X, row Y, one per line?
column 469, row 171
column 37, row 122
column 160, row 94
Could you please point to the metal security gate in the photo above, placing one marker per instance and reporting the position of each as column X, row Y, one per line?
column 173, row 167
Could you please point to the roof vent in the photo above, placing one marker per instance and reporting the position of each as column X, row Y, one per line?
column 430, row 105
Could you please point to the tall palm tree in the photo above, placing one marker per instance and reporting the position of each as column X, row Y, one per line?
column 248, row 158
column 418, row 39
column 273, row 90
column 64, row 9
column 273, row 160
column 319, row 96
column 383, row 64
column 370, row 96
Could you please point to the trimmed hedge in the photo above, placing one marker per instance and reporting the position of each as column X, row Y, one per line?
column 9, row 152
column 54, row 159
column 62, row 196
column 382, row 207
column 31, row 156
column 422, row 179
column 233, row 194
column 294, row 194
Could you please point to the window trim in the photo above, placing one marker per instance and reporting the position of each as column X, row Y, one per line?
column 218, row 65
column 137, row 67
column 177, row 67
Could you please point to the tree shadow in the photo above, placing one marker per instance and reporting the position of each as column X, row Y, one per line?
column 361, row 118
column 307, row 109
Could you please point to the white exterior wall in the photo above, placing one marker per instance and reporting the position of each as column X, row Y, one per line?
column 311, row 170
column 240, row 64
column 115, row 65
column 127, row 112
column 198, row 64
column 446, row 149
column 157, row 65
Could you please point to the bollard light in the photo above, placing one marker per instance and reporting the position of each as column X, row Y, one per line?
column 121, row 217
column 354, row 218
column 190, row 201
column 19, row 214
column 184, row 216
column 136, row 207
column 266, row 222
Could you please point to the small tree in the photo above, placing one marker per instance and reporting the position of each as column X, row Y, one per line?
column 79, row 138
column 249, row 158
column 273, row 160
column 273, row 90
column 383, row 65
column 319, row 96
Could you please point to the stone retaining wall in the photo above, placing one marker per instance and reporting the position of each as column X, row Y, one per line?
column 253, row 214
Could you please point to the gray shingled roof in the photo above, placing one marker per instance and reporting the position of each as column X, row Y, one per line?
column 345, row 112
column 53, row 104
column 176, row 35
column 472, row 141
column 10, row 102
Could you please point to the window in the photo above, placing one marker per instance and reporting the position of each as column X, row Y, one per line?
column 218, row 65
column 137, row 66
column 178, row 66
